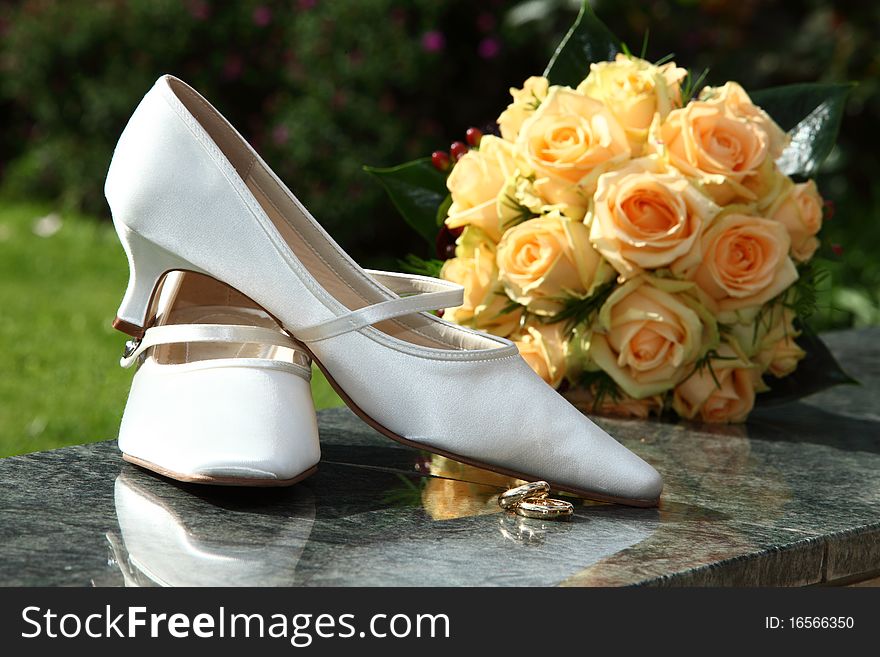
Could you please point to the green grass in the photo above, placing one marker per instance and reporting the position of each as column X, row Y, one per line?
column 60, row 383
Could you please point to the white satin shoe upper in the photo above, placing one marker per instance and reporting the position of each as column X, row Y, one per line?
column 187, row 192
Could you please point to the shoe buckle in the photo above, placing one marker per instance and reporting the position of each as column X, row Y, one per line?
column 131, row 346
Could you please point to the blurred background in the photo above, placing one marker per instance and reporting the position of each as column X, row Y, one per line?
column 321, row 88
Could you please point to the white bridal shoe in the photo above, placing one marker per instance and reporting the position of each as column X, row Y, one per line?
column 221, row 394
column 188, row 193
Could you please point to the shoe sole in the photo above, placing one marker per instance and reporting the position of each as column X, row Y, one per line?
column 216, row 480
column 592, row 495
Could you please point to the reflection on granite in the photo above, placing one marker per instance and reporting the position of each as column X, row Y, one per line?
column 169, row 537
column 792, row 498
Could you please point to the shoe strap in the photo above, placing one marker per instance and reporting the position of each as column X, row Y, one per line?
column 220, row 333
column 426, row 294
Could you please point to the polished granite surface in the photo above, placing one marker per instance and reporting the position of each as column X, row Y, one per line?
column 791, row 498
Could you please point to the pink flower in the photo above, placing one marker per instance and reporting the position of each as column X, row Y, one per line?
column 433, row 41
column 489, row 48
column 262, row 16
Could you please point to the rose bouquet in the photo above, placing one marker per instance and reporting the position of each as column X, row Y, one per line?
column 646, row 241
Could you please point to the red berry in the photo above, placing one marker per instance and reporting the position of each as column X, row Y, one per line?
column 441, row 312
column 440, row 160
column 474, row 135
column 837, row 249
column 445, row 243
column 458, row 149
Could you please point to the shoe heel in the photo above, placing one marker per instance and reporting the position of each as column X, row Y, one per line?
column 147, row 266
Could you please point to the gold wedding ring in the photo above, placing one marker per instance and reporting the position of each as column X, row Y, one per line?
column 531, row 501
column 534, row 490
column 545, row 508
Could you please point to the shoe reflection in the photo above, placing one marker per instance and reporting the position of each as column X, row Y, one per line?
column 173, row 535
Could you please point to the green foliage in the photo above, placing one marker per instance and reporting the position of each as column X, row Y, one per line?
column 443, row 210
column 417, row 190
column 319, row 88
column 802, row 298
column 588, row 40
column 811, row 114
column 61, row 382
column 581, row 311
column 518, row 212
column 416, row 265
column 692, row 85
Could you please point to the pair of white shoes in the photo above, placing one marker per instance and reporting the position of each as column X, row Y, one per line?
column 222, row 395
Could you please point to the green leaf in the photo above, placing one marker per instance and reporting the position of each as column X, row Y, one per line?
column 588, row 40
column 811, row 114
column 413, row 264
column 443, row 210
column 581, row 311
column 817, row 371
column 417, row 190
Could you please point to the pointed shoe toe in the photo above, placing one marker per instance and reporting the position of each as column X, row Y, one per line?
column 631, row 478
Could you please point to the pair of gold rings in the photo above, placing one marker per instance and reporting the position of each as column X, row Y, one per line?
column 531, row 501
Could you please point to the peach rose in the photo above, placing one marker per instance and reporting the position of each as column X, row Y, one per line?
column 781, row 358
column 799, row 209
column 723, row 144
column 634, row 90
column 542, row 260
column 733, row 97
column 646, row 216
column 621, row 406
column 646, row 336
column 544, row 348
column 769, row 342
column 475, row 183
column 765, row 186
column 525, row 102
column 745, row 263
column 728, row 396
column 568, row 143
column 485, row 303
